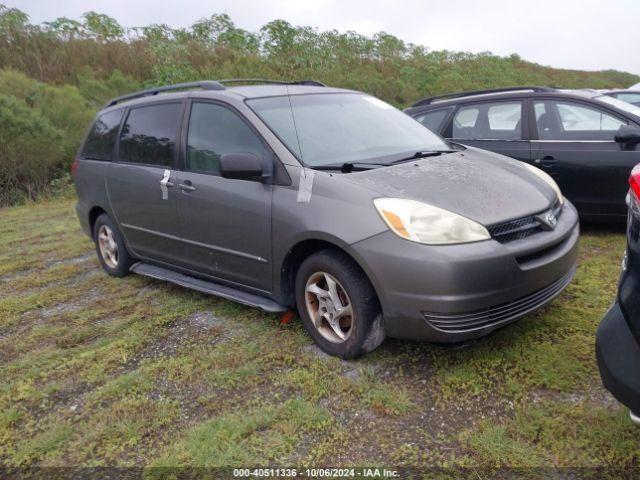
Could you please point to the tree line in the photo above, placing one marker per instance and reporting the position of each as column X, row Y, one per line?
column 55, row 75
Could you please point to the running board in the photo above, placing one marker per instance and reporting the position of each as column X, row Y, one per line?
column 206, row 286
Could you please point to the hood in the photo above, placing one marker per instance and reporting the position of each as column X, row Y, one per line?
column 483, row 186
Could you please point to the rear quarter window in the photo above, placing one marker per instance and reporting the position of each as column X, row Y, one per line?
column 102, row 136
column 434, row 120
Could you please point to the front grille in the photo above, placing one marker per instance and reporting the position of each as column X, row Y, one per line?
column 521, row 227
column 504, row 313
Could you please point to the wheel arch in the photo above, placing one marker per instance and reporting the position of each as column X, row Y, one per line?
column 302, row 250
column 94, row 213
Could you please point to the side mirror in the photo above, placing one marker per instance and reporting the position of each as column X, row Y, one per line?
column 240, row 166
column 628, row 135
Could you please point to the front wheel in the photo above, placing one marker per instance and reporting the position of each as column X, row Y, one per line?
column 110, row 247
column 338, row 306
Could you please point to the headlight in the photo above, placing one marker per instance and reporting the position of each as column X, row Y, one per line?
column 424, row 223
column 547, row 178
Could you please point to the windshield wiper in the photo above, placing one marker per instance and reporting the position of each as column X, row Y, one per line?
column 351, row 166
column 424, row 154
column 356, row 166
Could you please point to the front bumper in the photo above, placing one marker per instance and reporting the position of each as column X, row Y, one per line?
column 455, row 293
column 618, row 356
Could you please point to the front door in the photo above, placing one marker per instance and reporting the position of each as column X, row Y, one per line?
column 496, row 126
column 141, row 181
column 225, row 223
column 576, row 146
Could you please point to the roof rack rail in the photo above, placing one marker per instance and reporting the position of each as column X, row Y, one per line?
column 314, row 83
column 204, row 85
column 428, row 100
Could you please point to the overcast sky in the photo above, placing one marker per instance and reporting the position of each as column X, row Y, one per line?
column 587, row 34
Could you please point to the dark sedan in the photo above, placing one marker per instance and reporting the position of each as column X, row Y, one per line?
column 618, row 337
column 587, row 141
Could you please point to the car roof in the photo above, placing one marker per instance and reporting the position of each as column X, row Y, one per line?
column 433, row 102
column 260, row 91
column 242, row 92
column 436, row 103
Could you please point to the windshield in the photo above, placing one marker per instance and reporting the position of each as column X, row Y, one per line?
column 330, row 129
column 624, row 106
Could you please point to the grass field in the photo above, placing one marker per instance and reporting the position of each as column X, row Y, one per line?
column 100, row 371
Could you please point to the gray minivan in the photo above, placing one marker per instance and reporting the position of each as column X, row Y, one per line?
column 328, row 201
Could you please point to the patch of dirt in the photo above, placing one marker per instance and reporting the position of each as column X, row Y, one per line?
column 199, row 328
column 202, row 328
column 316, row 351
column 351, row 369
column 594, row 395
column 60, row 309
column 75, row 260
column 409, row 366
column 70, row 397
column 51, row 263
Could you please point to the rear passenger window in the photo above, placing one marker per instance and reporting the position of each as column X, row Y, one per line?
column 102, row 137
column 433, row 120
column 505, row 117
column 215, row 131
column 489, row 121
column 149, row 134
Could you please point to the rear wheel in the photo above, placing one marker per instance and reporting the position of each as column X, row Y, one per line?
column 338, row 305
column 112, row 253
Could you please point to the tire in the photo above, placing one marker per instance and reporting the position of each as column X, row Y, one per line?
column 117, row 263
column 351, row 335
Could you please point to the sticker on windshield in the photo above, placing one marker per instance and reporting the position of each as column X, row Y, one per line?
column 378, row 103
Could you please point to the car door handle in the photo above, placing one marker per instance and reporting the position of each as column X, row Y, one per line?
column 186, row 187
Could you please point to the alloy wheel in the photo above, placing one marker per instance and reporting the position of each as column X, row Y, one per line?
column 329, row 307
column 108, row 246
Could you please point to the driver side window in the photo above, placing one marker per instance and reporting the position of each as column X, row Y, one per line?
column 215, row 131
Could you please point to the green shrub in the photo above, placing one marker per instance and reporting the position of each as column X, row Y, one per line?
column 30, row 150
column 67, row 110
column 42, row 126
column 97, row 91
